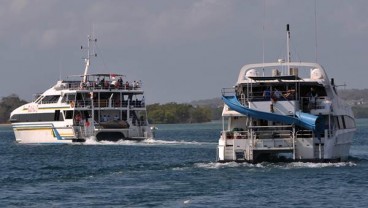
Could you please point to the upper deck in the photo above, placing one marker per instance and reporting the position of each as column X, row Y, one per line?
column 289, row 87
column 283, row 72
column 101, row 82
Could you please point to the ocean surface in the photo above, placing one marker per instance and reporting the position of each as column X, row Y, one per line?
column 177, row 169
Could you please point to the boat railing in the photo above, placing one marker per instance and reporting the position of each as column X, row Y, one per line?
column 48, row 102
column 282, row 127
column 271, row 95
column 227, row 91
column 235, row 134
column 83, row 104
column 318, row 103
column 304, row 134
column 273, row 134
column 274, row 143
column 131, row 104
column 94, row 86
column 105, row 103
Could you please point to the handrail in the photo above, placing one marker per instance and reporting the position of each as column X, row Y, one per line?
column 234, row 135
column 114, row 104
column 94, row 86
column 304, row 134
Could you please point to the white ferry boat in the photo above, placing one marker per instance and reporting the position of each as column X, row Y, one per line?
column 102, row 106
column 284, row 110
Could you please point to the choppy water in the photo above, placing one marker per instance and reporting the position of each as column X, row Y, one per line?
column 178, row 169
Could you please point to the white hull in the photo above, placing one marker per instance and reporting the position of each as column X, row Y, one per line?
column 41, row 133
column 333, row 149
column 48, row 133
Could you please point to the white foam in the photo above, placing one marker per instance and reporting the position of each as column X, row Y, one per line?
column 292, row 165
column 93, row 141
column 174, row 142
column 216, row 165
column 318, row 165
column 186, row 201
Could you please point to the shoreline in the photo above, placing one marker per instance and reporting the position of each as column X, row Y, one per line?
column 5, row 124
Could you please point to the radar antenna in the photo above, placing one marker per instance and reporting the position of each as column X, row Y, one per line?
column 89, row 55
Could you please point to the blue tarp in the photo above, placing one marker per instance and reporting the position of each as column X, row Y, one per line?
column 301, row 119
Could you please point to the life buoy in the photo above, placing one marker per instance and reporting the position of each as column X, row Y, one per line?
column 72, row 104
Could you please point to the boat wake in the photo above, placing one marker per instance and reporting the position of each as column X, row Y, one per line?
column 93, row 141
column 175, row 142
column 292, row 165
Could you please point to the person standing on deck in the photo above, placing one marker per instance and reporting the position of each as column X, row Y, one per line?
column 312, row 95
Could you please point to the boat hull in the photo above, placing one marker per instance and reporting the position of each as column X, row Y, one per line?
column 333, row 149
column 47, row 133
column 41, row 133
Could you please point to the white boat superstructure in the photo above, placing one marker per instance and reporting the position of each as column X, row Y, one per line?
column 102, row 106
column 284, row 110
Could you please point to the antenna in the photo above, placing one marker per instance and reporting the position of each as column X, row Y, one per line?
column 288, row 43
column 288, row 58
column 263, row 35
column 315, row 28
column 87, row 59
column 263, row 31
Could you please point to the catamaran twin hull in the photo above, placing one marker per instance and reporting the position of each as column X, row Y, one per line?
column 63, row 114
column 92, row 106
column 288, row 111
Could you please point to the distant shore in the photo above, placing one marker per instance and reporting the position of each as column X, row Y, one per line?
column 5, row 124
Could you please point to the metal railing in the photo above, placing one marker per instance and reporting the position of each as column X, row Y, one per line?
column 94, row 86
column 107, row 104
column 235, row 134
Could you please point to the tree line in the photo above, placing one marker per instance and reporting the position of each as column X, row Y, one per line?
column 7, row 105
column 178, row 113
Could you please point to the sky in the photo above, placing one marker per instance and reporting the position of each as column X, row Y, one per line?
column 181, row 50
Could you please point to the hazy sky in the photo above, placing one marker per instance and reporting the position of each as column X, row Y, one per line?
column 182, row 50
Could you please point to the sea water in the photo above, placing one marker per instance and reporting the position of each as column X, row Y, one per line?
column 177, row 169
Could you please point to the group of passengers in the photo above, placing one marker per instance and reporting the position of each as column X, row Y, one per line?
column 107, row 118
column 276, row 95
column 111, row 84
column 289, row 94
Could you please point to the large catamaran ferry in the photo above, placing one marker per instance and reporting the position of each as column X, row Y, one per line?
column 102, row 106
column 287, row 111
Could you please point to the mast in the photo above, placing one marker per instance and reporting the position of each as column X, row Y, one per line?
column 87, row 59
column 288, row 44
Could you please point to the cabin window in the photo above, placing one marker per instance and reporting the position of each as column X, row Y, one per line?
column 336, row 120
column 50, row 99
column 68, row 114
column 38, row 99
column 57, row 116
column 343, row 122
column 36, row 117
column 341, row 125
column 349, row 122
column 68, row 97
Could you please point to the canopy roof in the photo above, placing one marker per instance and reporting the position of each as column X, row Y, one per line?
column 288, row 77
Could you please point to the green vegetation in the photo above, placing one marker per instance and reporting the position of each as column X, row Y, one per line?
column 7, row 105
column 360, row 111
column 178, row 113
